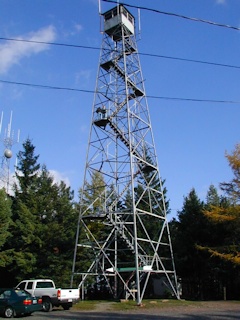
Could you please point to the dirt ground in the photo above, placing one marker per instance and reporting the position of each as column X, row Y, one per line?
column 199, row 305
column 207, row 310
column 199, row 310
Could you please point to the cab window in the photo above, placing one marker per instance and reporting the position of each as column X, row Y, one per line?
column 30, row 285
column 44, row 284
column 22, row 285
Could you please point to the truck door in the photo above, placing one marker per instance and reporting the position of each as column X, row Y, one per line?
column 22, row 285
column 29, row 287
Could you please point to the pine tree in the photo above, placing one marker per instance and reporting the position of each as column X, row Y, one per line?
column 27, row 168
column 44, row 222
column 92, row 199
column 5, row 223
column 212, row 199
column 58, row 222
column 159, row 202
column 25, row 240
column 188, row 232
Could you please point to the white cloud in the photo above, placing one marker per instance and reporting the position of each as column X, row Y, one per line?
column 220, row 1
column 12, row 52
column 58, row 177
column 78, row 27
column 7, row 182
column 82, row 78
column 75, row 29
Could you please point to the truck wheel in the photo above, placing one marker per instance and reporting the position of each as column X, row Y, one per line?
column 9, row 312
column 47, row 305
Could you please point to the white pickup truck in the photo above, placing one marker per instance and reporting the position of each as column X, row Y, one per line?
column 51, row 296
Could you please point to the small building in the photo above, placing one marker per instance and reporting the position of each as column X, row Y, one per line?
column 114, row 19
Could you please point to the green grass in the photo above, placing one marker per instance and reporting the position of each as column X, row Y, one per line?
column 123, row 305
column 150, row 304
column 86, row 305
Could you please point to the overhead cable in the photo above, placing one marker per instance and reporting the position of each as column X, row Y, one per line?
column 176, row 15
column 42, row 86
column 190, row 60
column 140, row 53
column 50, row 43
column 92, row 92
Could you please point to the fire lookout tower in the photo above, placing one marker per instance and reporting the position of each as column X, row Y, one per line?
column 122, row 234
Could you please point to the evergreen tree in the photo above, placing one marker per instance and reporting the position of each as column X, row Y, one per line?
column 27, row 168
column 189, row 231
column 212, row 199
column 5, row 223
column 94, row 194
column 92, row 205
column 25, row 240
column 58, row 223
column 150, row 197
column 44, row 222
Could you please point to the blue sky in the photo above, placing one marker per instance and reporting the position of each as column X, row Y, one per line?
column 191, row 137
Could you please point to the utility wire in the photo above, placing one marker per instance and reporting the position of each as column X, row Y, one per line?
column 144, row 54
column 190, row 60
column 194, row 100
column 140, row 53
column 45, row 86
column 92, row 92
column 176, row 15
column 51, row 43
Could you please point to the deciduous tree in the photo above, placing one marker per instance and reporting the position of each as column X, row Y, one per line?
column 227, row 215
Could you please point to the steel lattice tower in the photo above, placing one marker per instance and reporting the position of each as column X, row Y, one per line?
column 7, row 142
column 122, row 229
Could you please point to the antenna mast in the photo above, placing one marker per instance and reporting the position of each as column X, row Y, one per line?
column 8, row 141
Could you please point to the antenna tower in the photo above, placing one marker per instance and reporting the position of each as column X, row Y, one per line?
column 123, row 242
column 8, row 142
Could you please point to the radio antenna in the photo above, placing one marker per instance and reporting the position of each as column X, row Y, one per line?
column 139, row 23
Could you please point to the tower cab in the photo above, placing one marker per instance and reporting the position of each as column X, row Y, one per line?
column 116, row 20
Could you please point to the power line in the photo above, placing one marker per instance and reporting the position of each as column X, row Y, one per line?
column 176, row 15
column 42, row 86
column 190, row 60
column 194, row 100
column 140, row 53
column 92, row 92
column 51, row 43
